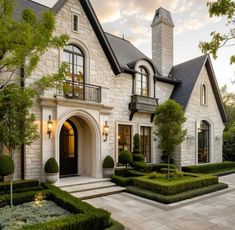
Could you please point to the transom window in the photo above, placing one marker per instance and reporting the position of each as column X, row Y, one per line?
column 142, row 82
column 74, row 57
column 124, row 137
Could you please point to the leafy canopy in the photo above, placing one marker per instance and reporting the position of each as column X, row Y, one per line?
column 218, row 40
column 169, row 120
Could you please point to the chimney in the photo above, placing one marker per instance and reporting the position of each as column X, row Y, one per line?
column 162, row 41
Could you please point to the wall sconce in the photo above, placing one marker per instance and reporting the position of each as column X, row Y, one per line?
column 49, row 126
column 105, row 130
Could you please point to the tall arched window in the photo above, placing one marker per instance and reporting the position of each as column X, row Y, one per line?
column 75, row 79
column 204, row 95
column 142, row 82
column 203, row 142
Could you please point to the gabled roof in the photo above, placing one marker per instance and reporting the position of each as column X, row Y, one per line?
column 188, row 73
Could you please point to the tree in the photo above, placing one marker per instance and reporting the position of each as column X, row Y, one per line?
column 17, row 122
column 221, row 8
column 169, row 120
column 23, row 41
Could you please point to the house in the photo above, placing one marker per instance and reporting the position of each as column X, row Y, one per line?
column 113, row 90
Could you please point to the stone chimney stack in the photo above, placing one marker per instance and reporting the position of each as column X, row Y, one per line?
column 162, row 41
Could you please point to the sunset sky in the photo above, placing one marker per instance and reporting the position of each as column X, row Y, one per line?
column 133, row 18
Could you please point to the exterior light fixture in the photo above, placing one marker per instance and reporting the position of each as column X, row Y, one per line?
column 49, row 126
column 105, row 130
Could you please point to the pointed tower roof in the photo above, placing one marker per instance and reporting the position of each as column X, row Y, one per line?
column 162, row 15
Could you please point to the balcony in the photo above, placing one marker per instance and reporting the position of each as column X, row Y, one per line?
column 80, row 91
column 142, row 104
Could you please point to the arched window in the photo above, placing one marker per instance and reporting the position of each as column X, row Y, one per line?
column 74, row 57
column 142, row 82
column 203, row 142
column 74, row 84
column 204, row 95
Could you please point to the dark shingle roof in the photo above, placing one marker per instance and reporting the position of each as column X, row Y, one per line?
column 20, row 5
column 187, row 73
column 127, row 54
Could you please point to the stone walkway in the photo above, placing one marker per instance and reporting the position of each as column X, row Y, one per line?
column 214, row 212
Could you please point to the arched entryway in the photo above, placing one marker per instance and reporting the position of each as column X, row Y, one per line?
column 68, row 149
column 78, row 145
column 204, row 142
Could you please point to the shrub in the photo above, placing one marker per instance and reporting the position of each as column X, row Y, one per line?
column 122, row 181
column 136, row 144
column 108, row 162
column 138, row 157
column 51, row 166
column 159, row 166
column 177, row 197
column 209, row 168
column 114, row 225
column 6, row 165
column 134, row 173
column 121, row 172
column 175, row 186
column 139, row 165
column 125, row 157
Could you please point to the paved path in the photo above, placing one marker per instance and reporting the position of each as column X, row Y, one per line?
column 212, row 213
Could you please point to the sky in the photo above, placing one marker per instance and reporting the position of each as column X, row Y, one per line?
column 132, row 19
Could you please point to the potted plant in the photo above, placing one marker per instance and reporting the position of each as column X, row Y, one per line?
column 108, row 165
column 51, row 171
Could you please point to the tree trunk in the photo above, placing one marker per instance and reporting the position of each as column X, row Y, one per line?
column 11, row 184
column 168, row 167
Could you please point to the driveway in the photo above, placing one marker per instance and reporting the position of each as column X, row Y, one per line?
column 214, row 211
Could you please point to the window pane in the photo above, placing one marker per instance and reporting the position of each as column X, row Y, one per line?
column 145, row 142
column 124, row 138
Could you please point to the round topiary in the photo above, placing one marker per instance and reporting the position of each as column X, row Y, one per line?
column 51, row 166
column 125, row 157
column 108, row 162
column 6, row 165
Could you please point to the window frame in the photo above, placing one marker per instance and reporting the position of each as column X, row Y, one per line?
column 149, row 128
column 204, row 98
column 73, row 17
column 122, row 132
column 141, row 69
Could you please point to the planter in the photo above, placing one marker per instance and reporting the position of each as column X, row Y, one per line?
column 108, row 172
column 52, row 178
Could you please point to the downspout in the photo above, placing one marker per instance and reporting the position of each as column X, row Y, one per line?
column 22, row 84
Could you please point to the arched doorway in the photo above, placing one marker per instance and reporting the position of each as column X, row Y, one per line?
column 203, row 143
column 68, row 149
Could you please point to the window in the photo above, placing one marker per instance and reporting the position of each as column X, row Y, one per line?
column 204, row 95
column 203, row 142
column 124, row 138
column 142, row 82
column 74, row 58
column 145, row 142
column 75, row 22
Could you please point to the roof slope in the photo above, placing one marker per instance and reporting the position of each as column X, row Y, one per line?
column 188, row 73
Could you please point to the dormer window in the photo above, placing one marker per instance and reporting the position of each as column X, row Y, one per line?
column 142, row 82
column 75, row 22
column 204, row 95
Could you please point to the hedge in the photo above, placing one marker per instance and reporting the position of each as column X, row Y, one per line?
column 177, row 197
column 209, row 168
column 174, row 187
column 158, row 167
column 121, row 172
column 114, row 225
column 122, row 181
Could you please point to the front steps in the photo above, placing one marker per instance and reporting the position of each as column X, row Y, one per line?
column 90, row 188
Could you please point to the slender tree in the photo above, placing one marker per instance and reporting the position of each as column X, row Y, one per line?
column 169, row 120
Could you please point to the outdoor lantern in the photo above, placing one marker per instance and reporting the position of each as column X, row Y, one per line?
column 49, row 126
column 106, row 130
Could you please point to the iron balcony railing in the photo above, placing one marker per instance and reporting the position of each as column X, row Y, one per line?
column 80, row 91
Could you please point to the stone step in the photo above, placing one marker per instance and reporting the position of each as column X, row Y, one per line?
column 87, row 187
column 84, row 195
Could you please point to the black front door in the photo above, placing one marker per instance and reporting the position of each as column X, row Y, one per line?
column 68, row 150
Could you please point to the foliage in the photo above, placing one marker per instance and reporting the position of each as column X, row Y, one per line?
column 108, row 162
column 51, row 166
column 174, row 186
column 139, row 165
column 122, row 181
column 121, row 172
column 136, row 144
column 168, row 199
column 209, row 168
column 169, row 119
column 138, row 157
column 6, row 165
column 114, row 225
column 26, row 38
column 125, row 157
column 218, row 40
column 158, row 167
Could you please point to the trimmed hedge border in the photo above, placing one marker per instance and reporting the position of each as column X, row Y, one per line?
column 158, row 167
column 122, row 181
column 174, row 187
column 210, row 168
column 177, row 197
column 114, row 225
column 223, row 173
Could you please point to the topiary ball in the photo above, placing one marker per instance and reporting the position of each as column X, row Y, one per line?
column 108, row 162
column 51, row 166
column 6, row 165
column 125, row 157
